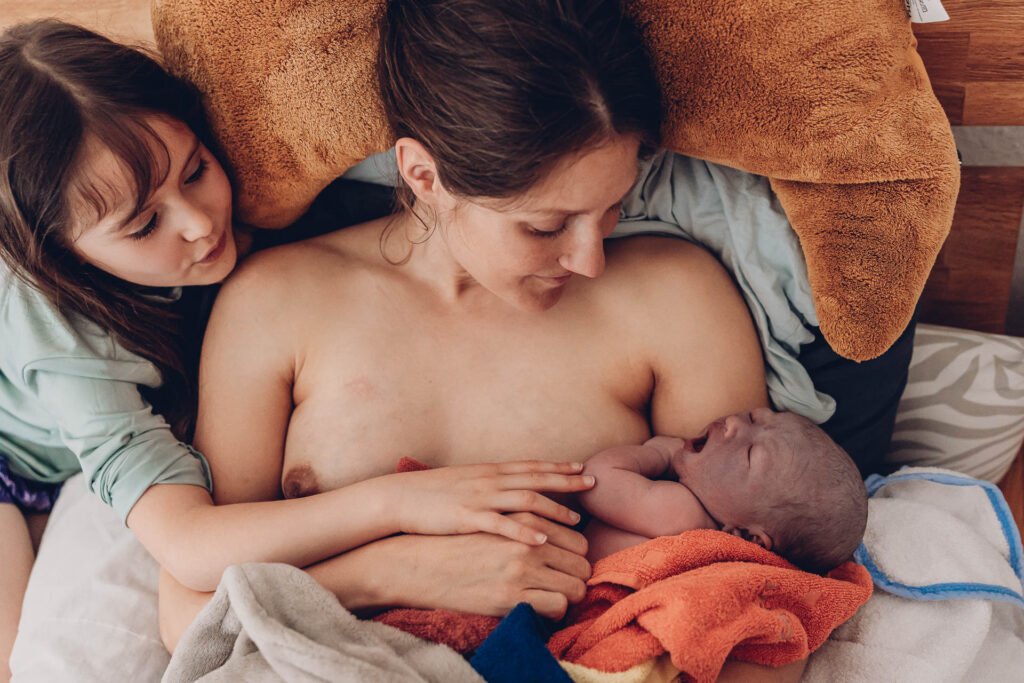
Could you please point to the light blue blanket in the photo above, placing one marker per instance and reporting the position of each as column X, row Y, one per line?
column 736, row 216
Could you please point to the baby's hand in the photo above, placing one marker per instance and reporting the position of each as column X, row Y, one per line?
column 465, row 499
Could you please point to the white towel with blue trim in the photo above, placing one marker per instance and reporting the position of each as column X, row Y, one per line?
column 946, row 559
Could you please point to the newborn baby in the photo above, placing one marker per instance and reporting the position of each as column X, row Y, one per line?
column 772, row 478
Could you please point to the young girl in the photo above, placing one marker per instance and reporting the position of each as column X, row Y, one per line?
column 110, row 202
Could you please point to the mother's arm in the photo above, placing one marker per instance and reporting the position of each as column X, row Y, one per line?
column 694, row 332
column 477, row 573
column 706, row 360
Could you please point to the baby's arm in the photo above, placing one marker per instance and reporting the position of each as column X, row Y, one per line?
column 628, row 496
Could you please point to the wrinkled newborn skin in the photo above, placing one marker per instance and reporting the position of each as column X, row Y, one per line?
column 719, row 480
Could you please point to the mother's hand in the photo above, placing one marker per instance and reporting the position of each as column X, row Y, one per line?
column 478, row 573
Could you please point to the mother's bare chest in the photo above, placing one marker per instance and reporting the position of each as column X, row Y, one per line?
column 491, row 393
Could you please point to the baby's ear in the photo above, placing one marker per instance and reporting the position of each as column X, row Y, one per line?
column 754, row 535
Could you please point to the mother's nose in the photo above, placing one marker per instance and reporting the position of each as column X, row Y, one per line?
column 585, row 251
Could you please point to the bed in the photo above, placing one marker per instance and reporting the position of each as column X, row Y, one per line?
column 90, row 611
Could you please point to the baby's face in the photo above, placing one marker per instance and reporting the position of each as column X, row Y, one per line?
column 743, row 463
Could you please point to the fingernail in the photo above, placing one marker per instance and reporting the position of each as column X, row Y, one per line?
column 577, row 467
column 589, row 480
column 541, row 538
column 574, row 517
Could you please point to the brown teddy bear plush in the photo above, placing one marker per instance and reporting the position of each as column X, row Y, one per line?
column 828, row 98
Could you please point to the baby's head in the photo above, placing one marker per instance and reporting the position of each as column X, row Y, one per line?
column 778, row 480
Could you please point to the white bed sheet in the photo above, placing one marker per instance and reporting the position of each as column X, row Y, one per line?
column 90, row 613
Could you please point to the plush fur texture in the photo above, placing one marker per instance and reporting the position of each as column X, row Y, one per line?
column 828, row 98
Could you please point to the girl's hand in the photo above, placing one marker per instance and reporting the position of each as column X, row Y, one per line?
column 465, row 499
column 482, row 573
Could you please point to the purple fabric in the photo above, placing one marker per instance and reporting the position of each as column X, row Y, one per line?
column 29, row 496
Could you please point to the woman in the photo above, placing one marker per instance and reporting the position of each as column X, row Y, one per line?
column 485, row 321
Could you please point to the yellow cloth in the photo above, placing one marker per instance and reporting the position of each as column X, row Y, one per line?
column 657, row 670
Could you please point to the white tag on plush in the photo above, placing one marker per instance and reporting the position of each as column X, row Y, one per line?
column 925, row 11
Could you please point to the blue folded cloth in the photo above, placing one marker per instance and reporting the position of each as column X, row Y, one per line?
column 516, row 651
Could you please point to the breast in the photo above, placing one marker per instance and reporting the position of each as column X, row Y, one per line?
column 339, row 438
column 454, row 393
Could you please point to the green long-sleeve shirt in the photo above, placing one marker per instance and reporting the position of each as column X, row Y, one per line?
column 70, row 401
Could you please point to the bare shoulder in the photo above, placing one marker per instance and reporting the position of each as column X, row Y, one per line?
column 276, row 278
column 687, row 322
column 670, row 274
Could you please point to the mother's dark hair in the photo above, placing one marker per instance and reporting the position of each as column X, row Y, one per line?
column 60, row 84
column 499, row 90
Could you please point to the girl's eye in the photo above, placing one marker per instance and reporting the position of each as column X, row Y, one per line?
column 147, row 230
column 198, row 173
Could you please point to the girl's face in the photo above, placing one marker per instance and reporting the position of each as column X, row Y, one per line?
column 183, row 234
column 526, row 251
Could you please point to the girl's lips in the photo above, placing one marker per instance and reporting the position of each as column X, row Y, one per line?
column 217, row 250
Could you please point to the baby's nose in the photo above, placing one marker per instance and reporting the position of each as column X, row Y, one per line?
column 732, row 425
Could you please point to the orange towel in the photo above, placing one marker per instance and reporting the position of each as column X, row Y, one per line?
column 704, row 596
column 460, row 631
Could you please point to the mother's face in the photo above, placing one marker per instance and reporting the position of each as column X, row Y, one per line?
column 526, row 250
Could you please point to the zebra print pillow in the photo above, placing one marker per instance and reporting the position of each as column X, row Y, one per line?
column 963, row 407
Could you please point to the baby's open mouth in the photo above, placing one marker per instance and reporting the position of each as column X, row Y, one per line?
column 698, row 443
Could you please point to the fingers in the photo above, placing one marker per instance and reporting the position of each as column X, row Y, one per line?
column 520, row 466
column 545, row 481
column 559, row 536
column 546, row 603
column 531, row 501
column 553, row 591
column 566, row 563
column 509, row 528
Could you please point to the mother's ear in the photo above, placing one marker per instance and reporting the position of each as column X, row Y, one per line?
column 754, row 534
column 418, row 170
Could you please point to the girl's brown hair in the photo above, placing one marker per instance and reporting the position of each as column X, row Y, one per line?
column 499, row 90
column 60, row 83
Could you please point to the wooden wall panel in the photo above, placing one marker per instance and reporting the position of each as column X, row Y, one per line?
column 976, row 61
column 970, row 284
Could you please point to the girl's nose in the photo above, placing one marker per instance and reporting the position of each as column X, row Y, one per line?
column 195, row 223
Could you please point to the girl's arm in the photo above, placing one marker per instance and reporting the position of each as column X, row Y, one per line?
column 628, row 497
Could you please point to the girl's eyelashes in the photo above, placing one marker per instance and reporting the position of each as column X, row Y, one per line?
column 154, row 222
column 200, row 169
column 148, row 229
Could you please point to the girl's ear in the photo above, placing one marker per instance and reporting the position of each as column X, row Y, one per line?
column 753, row 534
column 418, row 170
